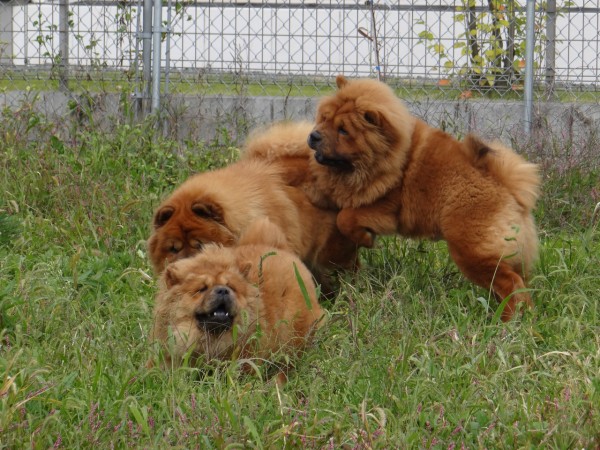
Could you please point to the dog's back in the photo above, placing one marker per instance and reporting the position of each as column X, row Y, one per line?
column 520, row 177
column 264, row 232
column 282, row 139
column 284, row 145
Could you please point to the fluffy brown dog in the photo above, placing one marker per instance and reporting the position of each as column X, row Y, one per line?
column 217, row 206
column 392, row 173
column 243, row 301
column 284, row 144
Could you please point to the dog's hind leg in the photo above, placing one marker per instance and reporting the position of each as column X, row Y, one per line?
column 496, row 274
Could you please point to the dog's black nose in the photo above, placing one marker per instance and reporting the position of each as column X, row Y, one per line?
column 222, row 291
column 314, row 139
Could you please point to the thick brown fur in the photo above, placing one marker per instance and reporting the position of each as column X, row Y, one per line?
column 392, row 173
column 285, row 144
column 243, row 301
column 217, row 206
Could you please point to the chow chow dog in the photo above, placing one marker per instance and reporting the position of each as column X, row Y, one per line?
column 284, row 144
column 390, row 172
column 245, row 301
column 217, row 206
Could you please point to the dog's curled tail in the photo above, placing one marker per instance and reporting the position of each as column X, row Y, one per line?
column 521, row 177
column 282, row 139
column 264, row 232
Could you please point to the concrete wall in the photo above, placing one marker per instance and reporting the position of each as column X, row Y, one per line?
column 206, row 117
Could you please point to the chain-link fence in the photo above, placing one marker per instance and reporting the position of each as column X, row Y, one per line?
column 439, row 54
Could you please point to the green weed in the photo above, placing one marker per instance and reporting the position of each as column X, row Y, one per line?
column 410, row 356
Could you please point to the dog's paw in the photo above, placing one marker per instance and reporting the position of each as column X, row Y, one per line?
column 348, row 225
column 363, row 237
column 518, row 304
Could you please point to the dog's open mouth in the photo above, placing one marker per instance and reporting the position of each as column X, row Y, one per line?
column 337, row 163
column 218, row 319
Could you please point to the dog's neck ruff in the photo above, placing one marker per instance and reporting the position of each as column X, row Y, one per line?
column 368, row 183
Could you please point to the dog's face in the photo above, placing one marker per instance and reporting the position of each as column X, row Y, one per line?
column 351, row 128
column 183, row 225
column 205, row 297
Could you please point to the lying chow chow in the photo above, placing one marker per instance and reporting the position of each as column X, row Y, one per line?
column 392, row 173
column 244, row 300
column 217, row 206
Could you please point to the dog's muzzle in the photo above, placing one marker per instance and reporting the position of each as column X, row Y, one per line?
column 221, row 314
column 315, row 141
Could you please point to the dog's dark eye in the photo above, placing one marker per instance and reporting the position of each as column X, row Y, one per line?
column 202, row 211
column 202, row 289
column 342, row 131
column 196, row 244
column 174, row 250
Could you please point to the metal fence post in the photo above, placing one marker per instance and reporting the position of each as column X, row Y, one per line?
column 156, row 37
column 6, row 33
column 529, row 48
column 550, row 46
column 168, row 47
column 147, row 55
column 63, row 45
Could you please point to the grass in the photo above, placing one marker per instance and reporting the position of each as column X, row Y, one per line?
column 412, row 356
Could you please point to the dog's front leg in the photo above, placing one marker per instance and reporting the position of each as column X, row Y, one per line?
column 362, row 225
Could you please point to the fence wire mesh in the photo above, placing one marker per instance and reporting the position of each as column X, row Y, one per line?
column 448, row 50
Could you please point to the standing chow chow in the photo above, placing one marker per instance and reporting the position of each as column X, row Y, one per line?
column 392, row 173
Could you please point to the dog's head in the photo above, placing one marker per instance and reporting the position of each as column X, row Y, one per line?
column 361, row 140
column 183, row 225
column 205, row 297
column 362, row 121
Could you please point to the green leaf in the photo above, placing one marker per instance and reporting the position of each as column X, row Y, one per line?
column 438, row 48
column 57, row 144
column 427, row 35
column 303, row 288
column 251, row 427
column 491, row 54
column 141, row 417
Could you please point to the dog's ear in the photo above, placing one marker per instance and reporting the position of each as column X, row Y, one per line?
column 172, row 276
column 208, row 210
column 341, row 81
column 162, row 216
column 374, row 118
